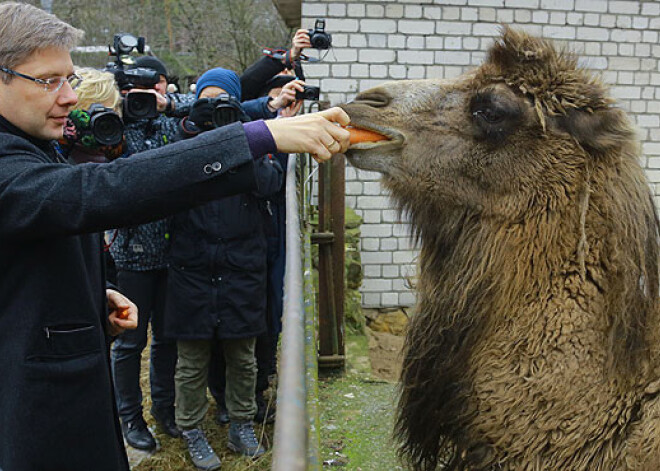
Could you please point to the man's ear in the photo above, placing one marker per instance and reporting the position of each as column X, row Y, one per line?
column 598, row 131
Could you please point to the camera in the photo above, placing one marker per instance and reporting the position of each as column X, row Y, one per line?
column 105, row 125
column 309, row 93
column 318, row 37
column 136, row 106
column 93, row 128
column 139, row 105
column 209, row 113
column 128, row 77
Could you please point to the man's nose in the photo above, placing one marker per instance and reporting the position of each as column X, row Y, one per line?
column 66, row 96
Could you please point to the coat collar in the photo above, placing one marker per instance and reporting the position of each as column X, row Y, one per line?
column 46, row 146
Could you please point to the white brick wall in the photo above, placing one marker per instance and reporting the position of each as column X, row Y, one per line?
column 380, row 40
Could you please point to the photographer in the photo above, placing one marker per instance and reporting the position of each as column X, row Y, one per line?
column 216, row 294
column 139, row 252
column 56, row 314
column 94, row 130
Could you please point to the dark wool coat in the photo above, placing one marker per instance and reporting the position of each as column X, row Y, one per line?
column 216, row 285
column 57, row 408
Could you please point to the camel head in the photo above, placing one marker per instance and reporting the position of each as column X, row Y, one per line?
column 510, row 135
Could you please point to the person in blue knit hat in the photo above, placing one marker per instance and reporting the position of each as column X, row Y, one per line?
column 216, row 292
column 220, row 78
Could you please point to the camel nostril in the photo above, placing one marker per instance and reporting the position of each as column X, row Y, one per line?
column 373, row 99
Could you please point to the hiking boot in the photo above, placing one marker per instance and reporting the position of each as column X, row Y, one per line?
column 265, row 410
column 165, row 419
column 243, row 440
column 201, row 453
column 138, row 435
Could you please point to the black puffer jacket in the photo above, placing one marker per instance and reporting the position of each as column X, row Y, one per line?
column 217, row 274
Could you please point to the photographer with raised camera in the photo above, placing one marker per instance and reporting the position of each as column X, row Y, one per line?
column 139, row 252
column 216, row 295
column 56, row 314
column 94, row 131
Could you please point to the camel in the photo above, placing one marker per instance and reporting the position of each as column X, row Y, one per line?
column 535, row 346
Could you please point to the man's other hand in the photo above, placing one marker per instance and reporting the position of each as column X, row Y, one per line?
column 123, row 313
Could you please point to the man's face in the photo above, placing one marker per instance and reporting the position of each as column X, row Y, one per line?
column 28, row 106
column 161, row 86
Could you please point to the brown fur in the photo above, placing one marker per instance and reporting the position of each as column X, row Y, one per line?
column 535, row 346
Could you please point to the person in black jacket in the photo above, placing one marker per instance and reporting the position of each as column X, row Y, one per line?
column 217, row 292
column 56, row 313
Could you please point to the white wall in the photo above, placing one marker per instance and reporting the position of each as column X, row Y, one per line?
column 376, row 41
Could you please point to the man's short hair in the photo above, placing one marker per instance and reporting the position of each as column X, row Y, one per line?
column 25, row 29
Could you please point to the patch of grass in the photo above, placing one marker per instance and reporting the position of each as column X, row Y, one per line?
column 357, row 415
column 173, row 455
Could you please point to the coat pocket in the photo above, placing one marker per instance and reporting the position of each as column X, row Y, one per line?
column 67, row 341
column 247, row 254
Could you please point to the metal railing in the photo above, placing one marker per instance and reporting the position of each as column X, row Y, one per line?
column 297, row 429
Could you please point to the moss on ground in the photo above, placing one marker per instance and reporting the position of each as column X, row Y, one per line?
column 357, row 415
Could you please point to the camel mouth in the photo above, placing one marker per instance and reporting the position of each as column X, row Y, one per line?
column 392, row 138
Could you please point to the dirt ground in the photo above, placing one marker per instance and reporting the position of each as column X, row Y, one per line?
column 385, row 354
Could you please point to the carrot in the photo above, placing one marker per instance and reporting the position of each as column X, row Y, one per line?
column 363, row 135
column 123, row 313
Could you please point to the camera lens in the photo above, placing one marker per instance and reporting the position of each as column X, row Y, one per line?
column 320, row 41
column 140, row 106
column 107, row 128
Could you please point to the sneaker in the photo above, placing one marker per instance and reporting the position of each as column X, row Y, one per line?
column 265, row 410
column 138, row 435
column 243, row 440
column 165, row 419
column 201, row 453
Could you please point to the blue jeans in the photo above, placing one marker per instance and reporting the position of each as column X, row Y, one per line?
column 147, row 290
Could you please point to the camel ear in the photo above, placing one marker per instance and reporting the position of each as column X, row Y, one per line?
column 604, row 130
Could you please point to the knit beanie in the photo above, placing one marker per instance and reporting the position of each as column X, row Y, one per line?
column 151, row 62
column 226, row 79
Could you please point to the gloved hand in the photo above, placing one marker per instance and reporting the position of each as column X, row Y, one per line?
column 201, row 114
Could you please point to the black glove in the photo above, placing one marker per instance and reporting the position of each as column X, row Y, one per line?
column 202, row 114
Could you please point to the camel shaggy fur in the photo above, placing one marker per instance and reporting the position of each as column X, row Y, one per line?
column 536, row 342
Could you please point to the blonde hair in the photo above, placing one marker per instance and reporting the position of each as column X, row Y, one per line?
column 25, row 29
column 97, row 87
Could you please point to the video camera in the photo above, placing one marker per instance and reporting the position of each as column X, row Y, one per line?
column 318, row 38
column 136, row 105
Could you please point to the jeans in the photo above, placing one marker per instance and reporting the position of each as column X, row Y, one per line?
column 147, row 290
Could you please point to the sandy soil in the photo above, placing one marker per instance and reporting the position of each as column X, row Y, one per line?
column 385, row 354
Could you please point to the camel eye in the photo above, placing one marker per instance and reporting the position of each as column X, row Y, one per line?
column 489, row 115
column 494, row 116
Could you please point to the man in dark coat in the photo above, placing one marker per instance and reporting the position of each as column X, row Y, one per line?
column 56, row 403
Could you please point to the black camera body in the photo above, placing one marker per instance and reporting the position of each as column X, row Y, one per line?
column 106, row 126
column 133, row 77
column 136, row 105
column 318, row 38
column 209, row 113
column 309, row 93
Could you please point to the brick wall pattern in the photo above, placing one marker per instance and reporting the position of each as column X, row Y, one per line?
column 378, row 41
